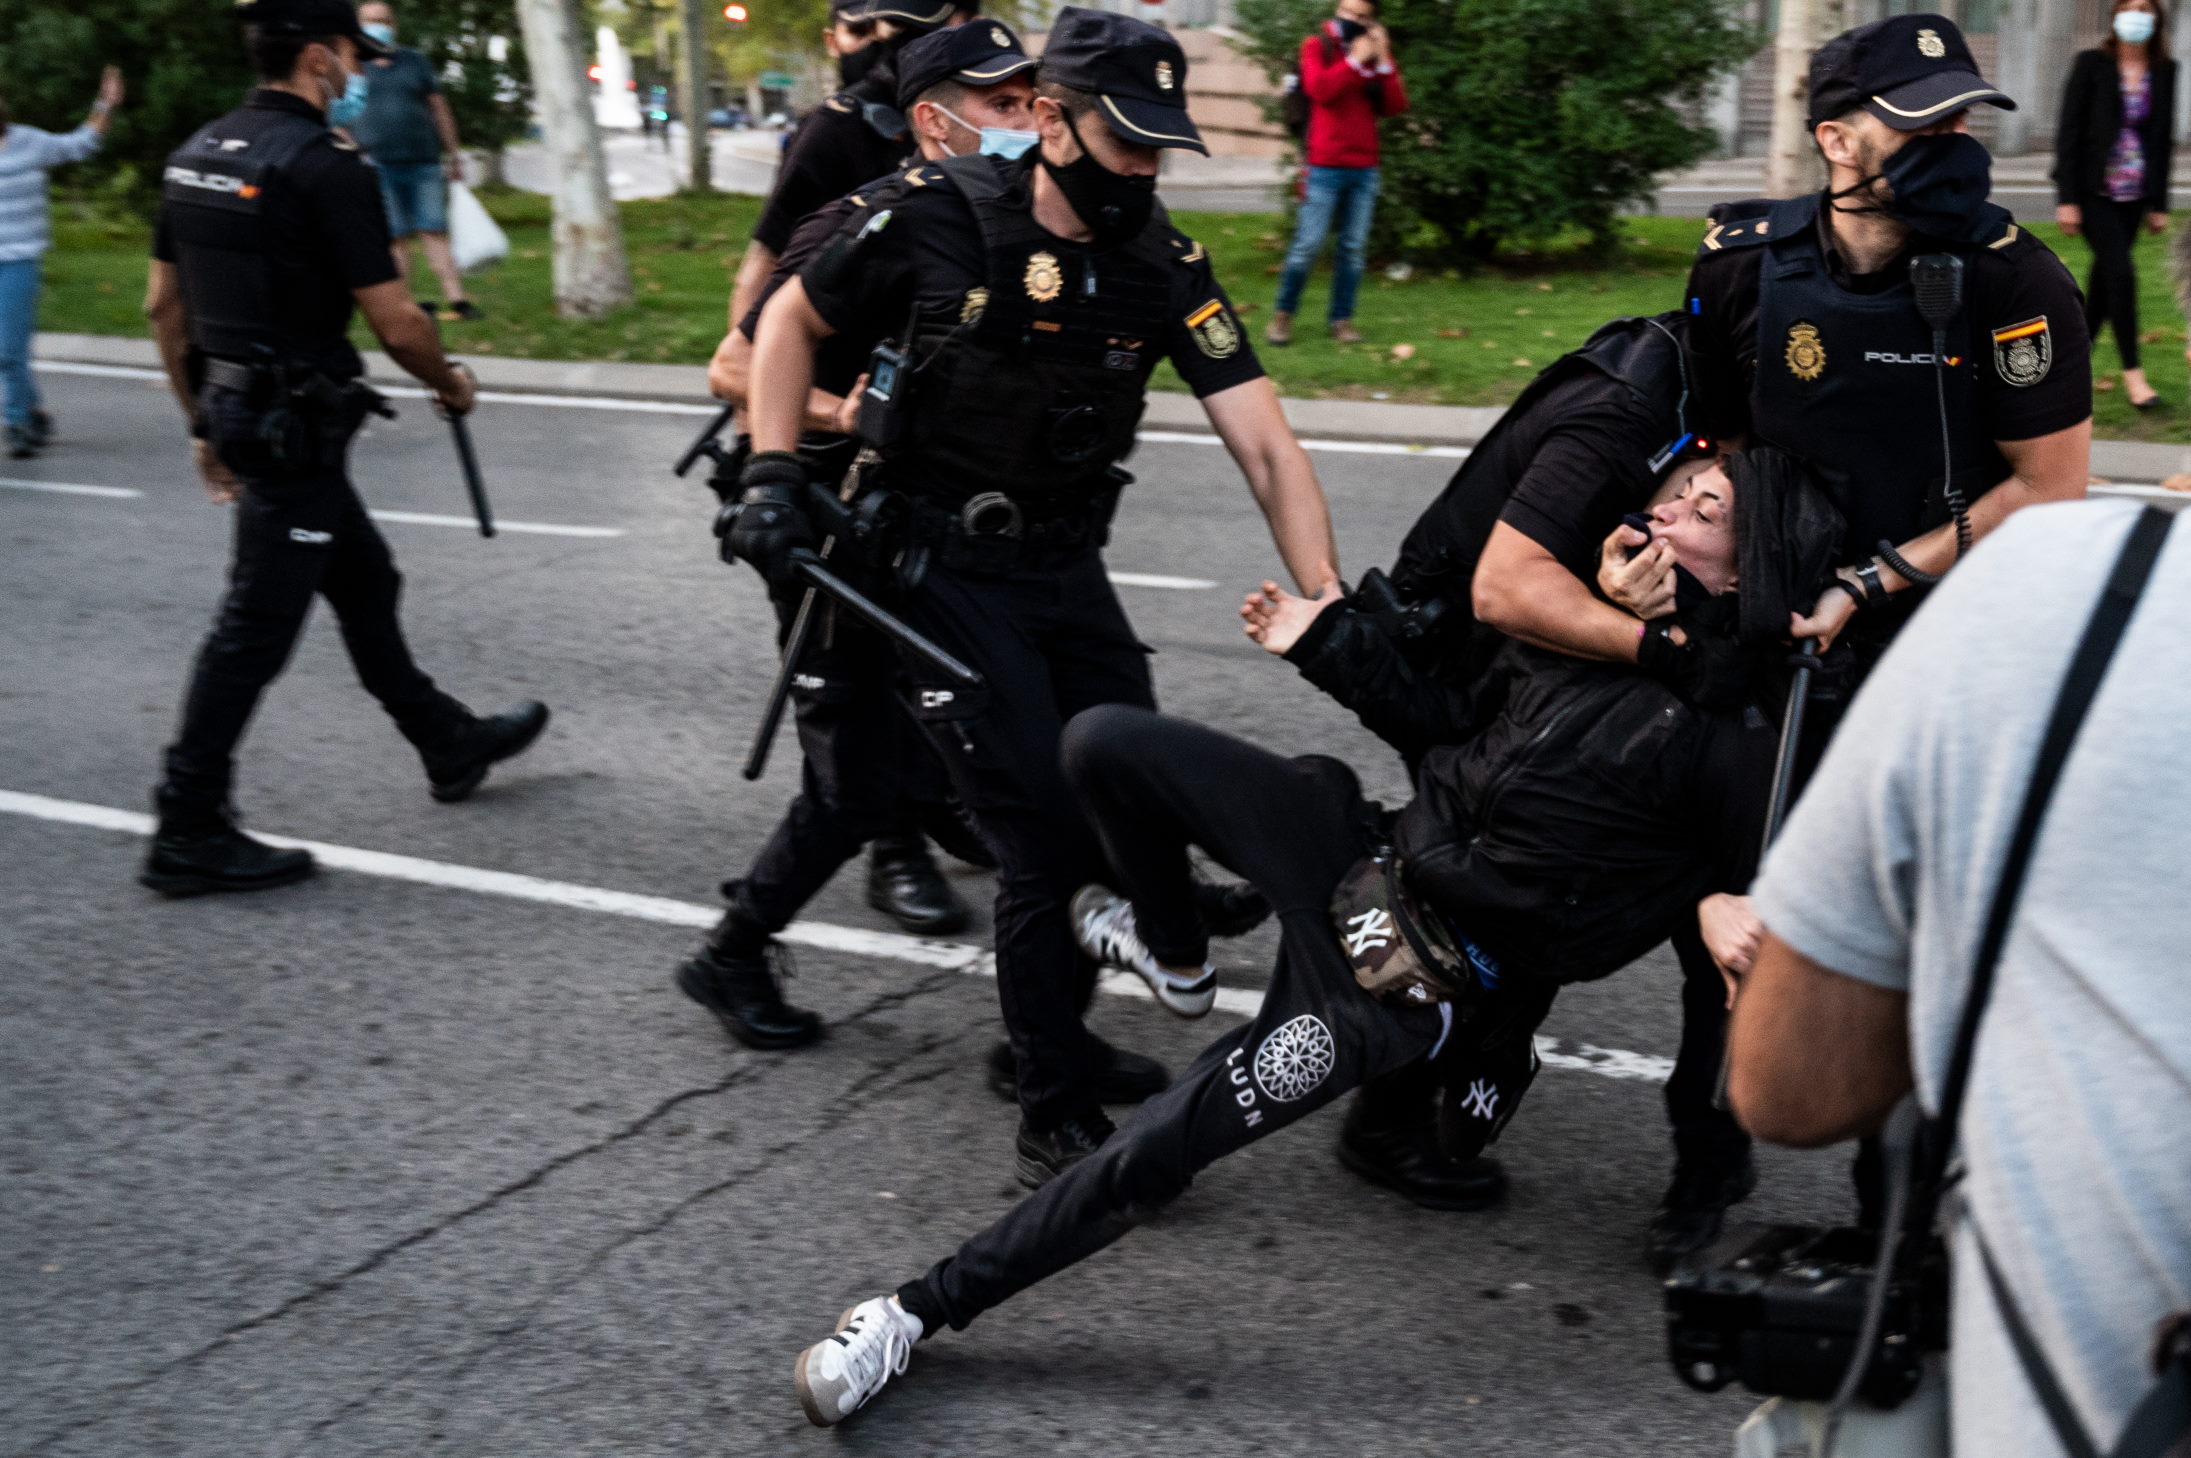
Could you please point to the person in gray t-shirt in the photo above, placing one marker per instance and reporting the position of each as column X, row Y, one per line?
column 2077, row 1125
column 410, row 133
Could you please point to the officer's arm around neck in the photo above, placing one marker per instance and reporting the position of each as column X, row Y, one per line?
column 1253, row 426
column 783, row 367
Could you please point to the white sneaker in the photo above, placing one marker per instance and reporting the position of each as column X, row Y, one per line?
column 1103, row 924
column 837, row 1377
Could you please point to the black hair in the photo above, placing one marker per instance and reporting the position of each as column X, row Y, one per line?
column 274, row 54
column 949, row 93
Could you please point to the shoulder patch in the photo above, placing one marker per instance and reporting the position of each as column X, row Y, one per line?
column 841, row 104
column 1215, row 333
column 342, row 143
column 2011, row 235
column 922, row 176
column 1194, row 253
column 2023, row 352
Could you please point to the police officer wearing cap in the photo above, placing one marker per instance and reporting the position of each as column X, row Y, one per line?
column 1031, row 299
column 1813, row 330
column 270, row 233
column 870, row 776
column 857, row 134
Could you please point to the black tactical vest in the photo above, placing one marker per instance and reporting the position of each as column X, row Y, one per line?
column 1847, row 381
column 239, row 285
column 1035, row 389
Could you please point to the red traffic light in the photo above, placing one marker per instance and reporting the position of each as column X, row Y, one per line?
column 593, row 73
column 735, row 14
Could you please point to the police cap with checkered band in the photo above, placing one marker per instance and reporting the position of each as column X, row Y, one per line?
column 1136, row 72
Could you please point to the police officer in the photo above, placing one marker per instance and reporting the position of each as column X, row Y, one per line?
column 270, row 231
column 869, row 774
column 1030, row 300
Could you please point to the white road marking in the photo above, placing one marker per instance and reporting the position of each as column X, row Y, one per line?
column 1158, row 579
column 821, row 935
column 536, row 528
column 65, row 488
column 679, row 407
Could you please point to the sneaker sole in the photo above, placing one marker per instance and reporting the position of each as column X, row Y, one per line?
column 1192, row 1001
column 176, row 885
column 1378, row 1177
column 1033, row 1173
column 457, row 790
column 807, row 1399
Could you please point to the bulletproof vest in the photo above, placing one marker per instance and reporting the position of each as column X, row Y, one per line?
column 217, row 193
column 1035, row 389
column 1847, row 381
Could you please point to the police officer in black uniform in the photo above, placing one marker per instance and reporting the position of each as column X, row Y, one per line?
column 1032, row 299
column 270, row 231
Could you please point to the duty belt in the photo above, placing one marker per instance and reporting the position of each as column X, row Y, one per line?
column 993, row 532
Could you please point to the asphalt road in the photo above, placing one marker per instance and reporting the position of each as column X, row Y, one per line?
column 373, row 1165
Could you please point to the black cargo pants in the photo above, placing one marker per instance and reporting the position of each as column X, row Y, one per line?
column 298, row 533
column 1291, row 828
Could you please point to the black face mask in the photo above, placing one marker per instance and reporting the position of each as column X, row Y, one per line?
column 1936, row 183
column 1114, row 205
column 853, row 67
column 1351, row 30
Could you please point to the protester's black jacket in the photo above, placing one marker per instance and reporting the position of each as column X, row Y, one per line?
column 2092, row 114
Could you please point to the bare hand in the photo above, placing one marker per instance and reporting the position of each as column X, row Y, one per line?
column 1644, row 583
column 1829, row 615
column 220, row 482
column 1383, row 38
column 452, row 166
column 2069, row 218
column 2156, row 222
column 1362, row 50
column 460, row 394
column 1277, row 618
column 111, row 90
column 847, row 421
column 1732, row 934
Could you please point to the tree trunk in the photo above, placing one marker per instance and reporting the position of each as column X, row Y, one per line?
column 692, row 91
column 591, row 275
column 1791, row 166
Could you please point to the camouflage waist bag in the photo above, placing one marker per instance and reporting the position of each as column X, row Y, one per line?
column 1401, row 950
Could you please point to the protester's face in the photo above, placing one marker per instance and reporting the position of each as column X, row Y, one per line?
column 1699, row 525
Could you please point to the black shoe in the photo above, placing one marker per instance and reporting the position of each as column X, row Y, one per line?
column 462, row 309
column 1231, row 910
column 458, row 767
column 1691, row 1215
column 40, row 429
column 21, row 447
column 904, row 884
column 433, row 310
column 216, row 856
column 1045, row 1155
column 951, row 825
column 743, row 995
column 1126, row 1078
column 1406, row 1158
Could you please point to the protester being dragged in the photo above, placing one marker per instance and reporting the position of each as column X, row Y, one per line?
column 1350, row 82
column 2113, row 148
column 1441, row 933
column 27, row 154
column 406, row 127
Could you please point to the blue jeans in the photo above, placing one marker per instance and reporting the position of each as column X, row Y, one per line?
column 19, row 280
column 416, row 195
column 1349, row 195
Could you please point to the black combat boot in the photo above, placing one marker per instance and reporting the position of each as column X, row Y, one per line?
column 1694, row 1210
column 1044, row 1154
column 197, row 850
column 734, row 977
column 457, row 763
column 1123, row 1078
column 904, row 884
column 1400, row 1150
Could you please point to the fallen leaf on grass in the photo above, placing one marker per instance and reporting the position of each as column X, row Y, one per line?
column 1549, row 333
column 1523, row 364
column 1544, row 288
column 2103, row 384
column 1453, row 334
column 1523, row 313
column 1403, row 351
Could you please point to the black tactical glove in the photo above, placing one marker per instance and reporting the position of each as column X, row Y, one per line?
column 766, row 524
column 1710, row 670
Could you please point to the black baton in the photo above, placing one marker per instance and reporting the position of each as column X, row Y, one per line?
column 809, row 566
column 779, row 693
column 700, row 446
column 470, row 462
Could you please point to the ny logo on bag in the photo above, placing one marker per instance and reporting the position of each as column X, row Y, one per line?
column 1372, row 929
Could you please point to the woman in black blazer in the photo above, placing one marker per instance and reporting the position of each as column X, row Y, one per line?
column 2112, row 152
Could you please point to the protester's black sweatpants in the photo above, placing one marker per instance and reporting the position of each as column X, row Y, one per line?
column 1290, row 827
column 2111, row 290
column 1050, row 639
column 867, row 770
column 296, row 535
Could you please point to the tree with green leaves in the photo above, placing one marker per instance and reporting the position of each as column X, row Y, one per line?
column 1528, row 119
column 478, row 51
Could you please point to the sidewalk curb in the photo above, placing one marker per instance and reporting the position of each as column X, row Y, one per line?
column 1364, row 420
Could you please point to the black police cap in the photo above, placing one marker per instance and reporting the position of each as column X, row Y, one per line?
column 1137, row 73
column 978, row 53
column 1910, row 71
column 309, row 18
column 916, row 16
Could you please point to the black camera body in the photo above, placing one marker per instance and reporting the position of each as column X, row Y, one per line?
column 1780, row 1309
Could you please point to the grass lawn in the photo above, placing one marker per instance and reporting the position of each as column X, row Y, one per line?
column 1435, row 337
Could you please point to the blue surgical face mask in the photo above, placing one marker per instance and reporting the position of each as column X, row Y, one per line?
column 1006, row 142
column 2133, row 27
column 349, row 106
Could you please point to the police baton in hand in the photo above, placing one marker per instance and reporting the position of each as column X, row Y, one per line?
column 469, row 460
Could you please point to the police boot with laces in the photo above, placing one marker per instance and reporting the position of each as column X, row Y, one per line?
column 904, row 884
column 739, row 986
column 1044, row 1154
column 1694, row 1210
column 1121, row 1077
column 458, row 762
column 1404, row 1156
column 196, row 852
column 837, row 1377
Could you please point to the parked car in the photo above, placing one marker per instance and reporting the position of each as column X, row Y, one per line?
column 730, row 118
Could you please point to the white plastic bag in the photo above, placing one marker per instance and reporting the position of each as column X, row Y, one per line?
column 474, row 237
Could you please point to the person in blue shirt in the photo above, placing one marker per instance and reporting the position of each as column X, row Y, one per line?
column 410, row 133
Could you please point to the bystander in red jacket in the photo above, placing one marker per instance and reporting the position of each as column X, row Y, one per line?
column 1345, row 100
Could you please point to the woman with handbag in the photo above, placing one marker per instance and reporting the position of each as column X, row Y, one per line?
column 2112, row 151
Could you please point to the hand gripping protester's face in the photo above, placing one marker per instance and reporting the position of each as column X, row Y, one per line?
column 1699, row 524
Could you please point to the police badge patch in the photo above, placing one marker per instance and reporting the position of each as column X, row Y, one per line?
column 1214, row 332
column 977, row 299
column 1930, row 46
column 1806, row 352
column 2023, row 353
column 1044, row 280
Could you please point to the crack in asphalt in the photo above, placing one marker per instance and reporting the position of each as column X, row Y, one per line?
column 331, row 1285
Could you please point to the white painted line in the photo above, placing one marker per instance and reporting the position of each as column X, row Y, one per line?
column 1345, row 447
column 536, row 528
column 66, row 488
column 563, row 402
column 104, row 372
column 1158, row 579
column 821, row 935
